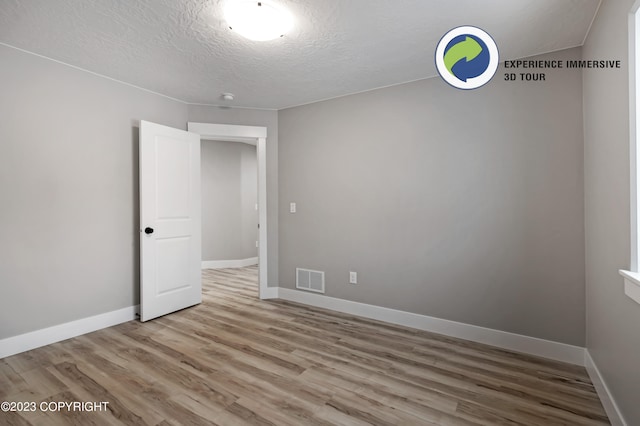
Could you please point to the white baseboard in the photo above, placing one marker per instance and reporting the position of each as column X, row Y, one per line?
column 46, row 336
column 516, row 342
column 221, row 264
column 502, row 339
column 609, row 404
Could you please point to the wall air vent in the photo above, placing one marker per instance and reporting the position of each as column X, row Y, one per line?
column 306, row 279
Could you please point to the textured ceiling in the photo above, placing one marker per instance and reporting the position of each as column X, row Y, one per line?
column 183, row 48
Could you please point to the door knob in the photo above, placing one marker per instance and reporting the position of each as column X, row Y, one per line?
column 148, row 230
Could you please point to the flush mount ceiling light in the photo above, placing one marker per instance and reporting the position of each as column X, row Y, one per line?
column 257, row 20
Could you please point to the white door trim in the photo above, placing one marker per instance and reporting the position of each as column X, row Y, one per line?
column 253, row 135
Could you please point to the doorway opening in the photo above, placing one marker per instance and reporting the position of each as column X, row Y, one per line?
column 229, row 198
column 256, row 136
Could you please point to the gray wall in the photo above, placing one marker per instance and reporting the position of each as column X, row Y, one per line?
column 612, row 318
column 68, row 184
column 463, row 205
column 254, row 117
column 229, row 196
column 69, row 191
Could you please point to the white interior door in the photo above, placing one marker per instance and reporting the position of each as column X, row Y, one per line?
column 170, row 215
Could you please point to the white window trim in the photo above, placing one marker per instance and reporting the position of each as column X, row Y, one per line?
column 632, row 276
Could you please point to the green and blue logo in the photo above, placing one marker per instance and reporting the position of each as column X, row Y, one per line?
column 467, row 57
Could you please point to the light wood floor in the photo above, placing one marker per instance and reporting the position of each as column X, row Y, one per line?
column 235, row 360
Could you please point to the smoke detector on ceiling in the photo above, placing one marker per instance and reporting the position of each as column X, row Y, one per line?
column 227, row 96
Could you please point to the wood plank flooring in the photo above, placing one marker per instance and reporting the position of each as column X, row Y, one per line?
column 236, row 360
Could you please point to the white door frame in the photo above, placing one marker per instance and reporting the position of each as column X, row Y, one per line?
column 253, row 135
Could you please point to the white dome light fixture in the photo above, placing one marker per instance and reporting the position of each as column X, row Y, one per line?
column 257, row 20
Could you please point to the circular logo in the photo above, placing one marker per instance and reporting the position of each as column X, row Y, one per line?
column 467, row 57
